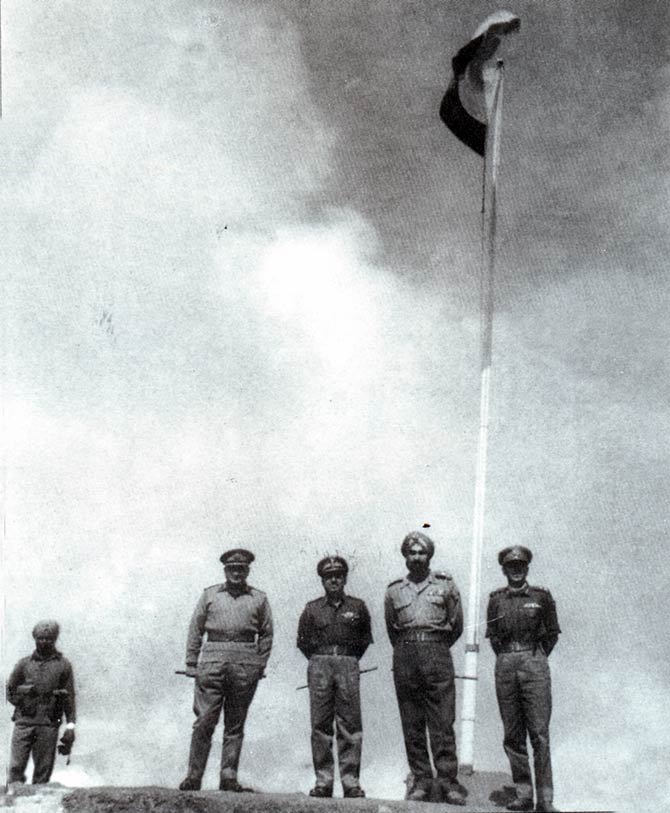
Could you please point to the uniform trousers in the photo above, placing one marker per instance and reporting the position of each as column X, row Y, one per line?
column 423, row 673
column 227, row 686
column 523, row 689
column 41, row 742
column 335, row 708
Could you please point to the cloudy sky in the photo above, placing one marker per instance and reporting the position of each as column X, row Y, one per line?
column 240, row 308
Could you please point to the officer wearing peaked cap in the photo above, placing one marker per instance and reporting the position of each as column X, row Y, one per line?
column 424, row 618
column 334, row 632
column 522, row 626
column 236, row 622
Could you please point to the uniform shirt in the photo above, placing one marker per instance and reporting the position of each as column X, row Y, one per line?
column 523, row 616
column 324, row 624
column 238, row 616
column 40, row 676
column 433, row 604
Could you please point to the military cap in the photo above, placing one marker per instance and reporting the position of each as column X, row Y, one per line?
column 417, row 536
column 517, row 553
column 49, row 628
column 237, row 556
column 332, row 564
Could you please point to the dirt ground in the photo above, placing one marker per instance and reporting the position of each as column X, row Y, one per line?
column 487, row 793
column 484, row 790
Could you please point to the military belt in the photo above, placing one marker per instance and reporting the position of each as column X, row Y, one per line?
column 411, row 636
column 237, row 638
column 335, row 649
column 516, row 646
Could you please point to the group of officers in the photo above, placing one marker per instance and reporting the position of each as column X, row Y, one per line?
column 228, row 647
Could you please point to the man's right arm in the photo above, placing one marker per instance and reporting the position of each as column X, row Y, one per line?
column 305, row 632
column 389, row 617
column 15, row 680
column 196, row 630
column 491, row 618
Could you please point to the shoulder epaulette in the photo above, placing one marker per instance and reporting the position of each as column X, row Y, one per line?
column 442, row 574
column 395, row 581
column 255, row 590
column 497, row 590
column 213, row 586
column 539, row 587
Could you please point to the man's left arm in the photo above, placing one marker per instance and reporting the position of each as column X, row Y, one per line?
column 265, row 632
column 365, row 631
column 455, row 614
column 69, row 700
column 551, row 627
column 69, row 709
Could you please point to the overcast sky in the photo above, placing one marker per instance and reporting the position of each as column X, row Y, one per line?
column 240, row 308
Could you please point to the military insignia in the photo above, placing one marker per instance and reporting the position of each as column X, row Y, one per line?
column 349, row 615
column 532, row 606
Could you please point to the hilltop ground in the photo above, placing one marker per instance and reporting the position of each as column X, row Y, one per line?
column 487, row 792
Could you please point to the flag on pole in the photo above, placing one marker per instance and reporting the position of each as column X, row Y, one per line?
column 468, row 102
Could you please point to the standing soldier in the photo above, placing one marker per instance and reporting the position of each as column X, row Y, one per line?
column 424, row 618
column 227, row 666
column 334, row 633
column 523, row 628
column 41, row 689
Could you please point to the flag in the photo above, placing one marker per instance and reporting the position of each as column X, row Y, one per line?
column 467, row 104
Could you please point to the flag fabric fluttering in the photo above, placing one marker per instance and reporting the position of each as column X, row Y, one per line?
column 467, row 104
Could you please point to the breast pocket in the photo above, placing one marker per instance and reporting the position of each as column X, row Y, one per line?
column 531, row 617
column 402, row 609
column 436, row 608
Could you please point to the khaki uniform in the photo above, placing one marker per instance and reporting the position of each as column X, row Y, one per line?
column 230, row 662
column 522, row 626
column 423, row 621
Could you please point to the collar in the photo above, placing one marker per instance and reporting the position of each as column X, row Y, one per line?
column 240, row 591
column 54, row 656
column 419, row 586
column 326, row 603
column 518, row 591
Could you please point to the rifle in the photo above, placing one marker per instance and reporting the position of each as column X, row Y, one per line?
column 184, row 672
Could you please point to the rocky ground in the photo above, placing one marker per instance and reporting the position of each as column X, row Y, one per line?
column 487, row 792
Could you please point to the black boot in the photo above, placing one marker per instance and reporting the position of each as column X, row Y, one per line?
column 520, row 804
column 190, row 784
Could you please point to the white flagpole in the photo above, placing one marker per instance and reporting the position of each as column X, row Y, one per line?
column 472, row 632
